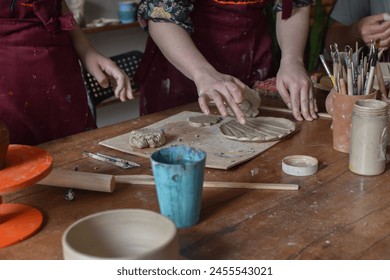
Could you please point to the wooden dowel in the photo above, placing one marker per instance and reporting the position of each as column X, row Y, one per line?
column 107, row 183
column 258, row 186
column 79, row 180
column 149, row 180
column 134, row 179
column 285, row 110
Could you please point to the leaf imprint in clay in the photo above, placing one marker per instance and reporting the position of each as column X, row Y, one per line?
column 260, row 129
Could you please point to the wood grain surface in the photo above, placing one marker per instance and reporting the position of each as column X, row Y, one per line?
column 335, row 214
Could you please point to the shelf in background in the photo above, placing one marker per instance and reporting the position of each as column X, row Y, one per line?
column 110, row 27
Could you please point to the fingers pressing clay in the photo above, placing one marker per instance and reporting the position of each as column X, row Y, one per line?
column 251, row 104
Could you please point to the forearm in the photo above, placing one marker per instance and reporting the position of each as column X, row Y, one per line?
column 293, row 82
column 80, row 41
column 292, row 35
column 177, row 46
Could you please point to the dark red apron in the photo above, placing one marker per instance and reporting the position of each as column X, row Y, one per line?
column 42, row 94
column 232, row 37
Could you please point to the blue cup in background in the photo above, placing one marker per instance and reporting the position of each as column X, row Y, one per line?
column 127, row 11
column 179, row 174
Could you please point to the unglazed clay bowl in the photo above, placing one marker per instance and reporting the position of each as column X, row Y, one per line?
column 330, row 99
column 121, row 234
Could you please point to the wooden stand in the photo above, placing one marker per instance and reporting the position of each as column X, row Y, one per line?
column 25, row 165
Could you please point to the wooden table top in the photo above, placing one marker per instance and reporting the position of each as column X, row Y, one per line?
column 335, row 214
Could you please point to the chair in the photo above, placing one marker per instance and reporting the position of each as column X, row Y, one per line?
column 128, row 62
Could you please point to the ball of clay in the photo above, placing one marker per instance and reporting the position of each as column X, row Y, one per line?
column 147, row 138
column 4, row 142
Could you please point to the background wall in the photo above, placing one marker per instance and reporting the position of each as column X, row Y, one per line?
column 116, row 41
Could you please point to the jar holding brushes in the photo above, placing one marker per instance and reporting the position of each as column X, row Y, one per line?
column 360, row 121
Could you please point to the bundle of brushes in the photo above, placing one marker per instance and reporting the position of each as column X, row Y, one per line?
column 354, row 71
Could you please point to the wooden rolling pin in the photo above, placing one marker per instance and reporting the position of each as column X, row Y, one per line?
column 106, row 183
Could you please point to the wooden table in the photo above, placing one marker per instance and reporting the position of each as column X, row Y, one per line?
column 335, row 215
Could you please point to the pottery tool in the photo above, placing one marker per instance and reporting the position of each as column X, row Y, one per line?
column 355, row 72
column 123, row 163
column 381, row 80
column 327, row 70
column 107, row 183
column 371, row 73
column 378, row 72
column 350, row 80
column 348, row 64
column 343, row 87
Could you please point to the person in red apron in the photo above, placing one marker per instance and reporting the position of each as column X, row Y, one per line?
column 212, row 49
column 42, row 93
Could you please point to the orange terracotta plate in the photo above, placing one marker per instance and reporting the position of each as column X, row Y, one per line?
column 17, row 223
column 25, row 165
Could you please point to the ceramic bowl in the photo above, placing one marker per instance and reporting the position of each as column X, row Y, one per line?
column 121, row 234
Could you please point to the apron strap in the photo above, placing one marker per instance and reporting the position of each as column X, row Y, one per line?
column 287, row 8
column 45, row 10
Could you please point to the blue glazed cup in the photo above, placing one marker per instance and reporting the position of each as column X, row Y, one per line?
column 127, row 11
column 178, row 174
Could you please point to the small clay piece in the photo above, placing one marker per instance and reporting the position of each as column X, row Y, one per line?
column 260, row 129
column 4, row 142
column 69, row 194
column 147, row 138
column 251, row 104
column 204, row 120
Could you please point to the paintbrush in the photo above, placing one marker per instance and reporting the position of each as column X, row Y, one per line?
column 327, row 71
column 369, row 81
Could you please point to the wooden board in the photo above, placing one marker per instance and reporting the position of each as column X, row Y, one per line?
column 222, row 153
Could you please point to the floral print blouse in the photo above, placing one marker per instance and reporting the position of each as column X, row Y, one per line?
column 178, row 11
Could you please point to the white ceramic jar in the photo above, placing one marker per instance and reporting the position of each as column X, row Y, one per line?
column 368, row 137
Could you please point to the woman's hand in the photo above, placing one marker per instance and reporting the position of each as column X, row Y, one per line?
column 296, row 90
column 373, row 28
column 224, row 90
column 292, row 81
column 106, row 72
